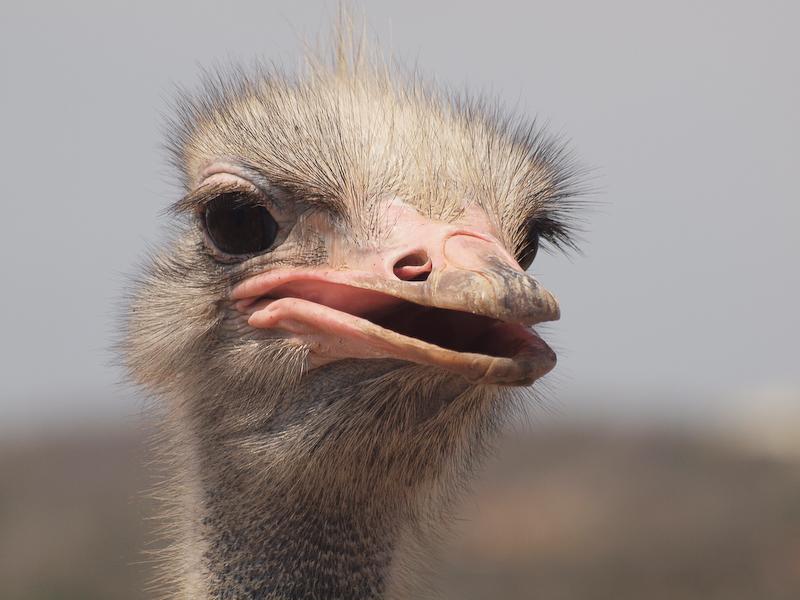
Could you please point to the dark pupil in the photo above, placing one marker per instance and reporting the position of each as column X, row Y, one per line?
column 530, row 248
column 237, row 226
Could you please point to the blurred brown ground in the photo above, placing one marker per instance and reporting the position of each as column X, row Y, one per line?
column 583, row 513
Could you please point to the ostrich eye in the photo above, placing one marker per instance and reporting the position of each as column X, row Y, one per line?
column 238, row 226
column 529, row 248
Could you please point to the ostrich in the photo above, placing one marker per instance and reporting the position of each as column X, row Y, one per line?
column 341, row 323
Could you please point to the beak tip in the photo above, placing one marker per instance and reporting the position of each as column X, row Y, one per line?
column 553, row 306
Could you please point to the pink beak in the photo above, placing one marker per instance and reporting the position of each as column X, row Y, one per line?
column 442, row 294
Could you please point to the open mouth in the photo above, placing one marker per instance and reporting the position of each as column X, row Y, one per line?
column 452, row 330
column 342, row 321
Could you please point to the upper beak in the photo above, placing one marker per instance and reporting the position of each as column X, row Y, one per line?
column 455, row 298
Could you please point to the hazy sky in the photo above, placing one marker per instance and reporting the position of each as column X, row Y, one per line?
column 687, row 111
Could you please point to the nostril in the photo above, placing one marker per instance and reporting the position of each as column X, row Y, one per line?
column 413, row 267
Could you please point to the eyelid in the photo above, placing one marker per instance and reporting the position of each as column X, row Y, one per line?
column 196, row 200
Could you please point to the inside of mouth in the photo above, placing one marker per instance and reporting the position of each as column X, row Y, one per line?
column 452, row 329
column 449, row 329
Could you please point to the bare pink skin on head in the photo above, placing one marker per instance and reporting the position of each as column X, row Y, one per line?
column 440, row 293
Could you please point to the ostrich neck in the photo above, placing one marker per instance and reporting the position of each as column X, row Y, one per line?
column 333, row 496
column 269, row 547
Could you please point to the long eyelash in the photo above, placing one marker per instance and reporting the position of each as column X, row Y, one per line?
column 195, row 200
column 557, row 233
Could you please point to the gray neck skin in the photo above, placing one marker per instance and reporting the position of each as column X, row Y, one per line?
column 335, row 486
column 275, row 549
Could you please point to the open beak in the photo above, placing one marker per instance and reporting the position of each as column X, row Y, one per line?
column 455, row 299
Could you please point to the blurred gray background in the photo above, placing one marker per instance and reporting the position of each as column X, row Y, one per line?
column 686, row 111
column 681, row 316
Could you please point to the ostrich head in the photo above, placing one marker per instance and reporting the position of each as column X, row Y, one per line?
column 343, row 314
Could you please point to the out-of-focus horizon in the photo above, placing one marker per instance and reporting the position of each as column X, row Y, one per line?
column 577, row 513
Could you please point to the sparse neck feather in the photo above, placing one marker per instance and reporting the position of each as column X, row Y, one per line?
column 262, row 543
column 338, row 509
